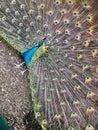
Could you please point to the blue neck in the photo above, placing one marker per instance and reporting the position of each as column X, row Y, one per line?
column 27, row 56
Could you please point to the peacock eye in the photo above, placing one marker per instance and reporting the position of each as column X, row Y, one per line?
column 25, row 17
column 75, row 100
column 69, row 2
column 20, row 24
column 50, row 13
column 65, row 41
column 65, row 54
column 45, row 26
column 90, row 107
column 13, row 2
column 84, row 42
column 89, row 125
column 22, row 6
column 73, row 113
column 39, row 32
column 65, row 22
column 39, row 17
column 4, row 18
column 16, row 13
column 45, row 120
column 31, row 11
column 76, row 37
column 87, row 77
column 85, row 4
column 38, row 113
column 88, row 17
column 62, row 12
column 66, row 32
column 74, row 14
column 70, row 128
column 56, row 22
column 7, row 10
column 57, row 3
column 77, row 25
column 84, row 65
column 88, row 30
column 57, row 32
column 93, row 51
column 48, row 35
column 42, row 6
column 89, row 92
column 13, row 20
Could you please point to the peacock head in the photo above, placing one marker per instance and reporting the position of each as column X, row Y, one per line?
column 40, row 43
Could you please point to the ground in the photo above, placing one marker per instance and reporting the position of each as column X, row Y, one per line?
column 15, row 102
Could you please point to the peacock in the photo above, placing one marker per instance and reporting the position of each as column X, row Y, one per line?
column 58, row 42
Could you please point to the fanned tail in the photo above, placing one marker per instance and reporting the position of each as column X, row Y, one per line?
column 63, row 72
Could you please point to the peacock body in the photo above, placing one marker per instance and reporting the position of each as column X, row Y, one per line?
column 58, row 40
